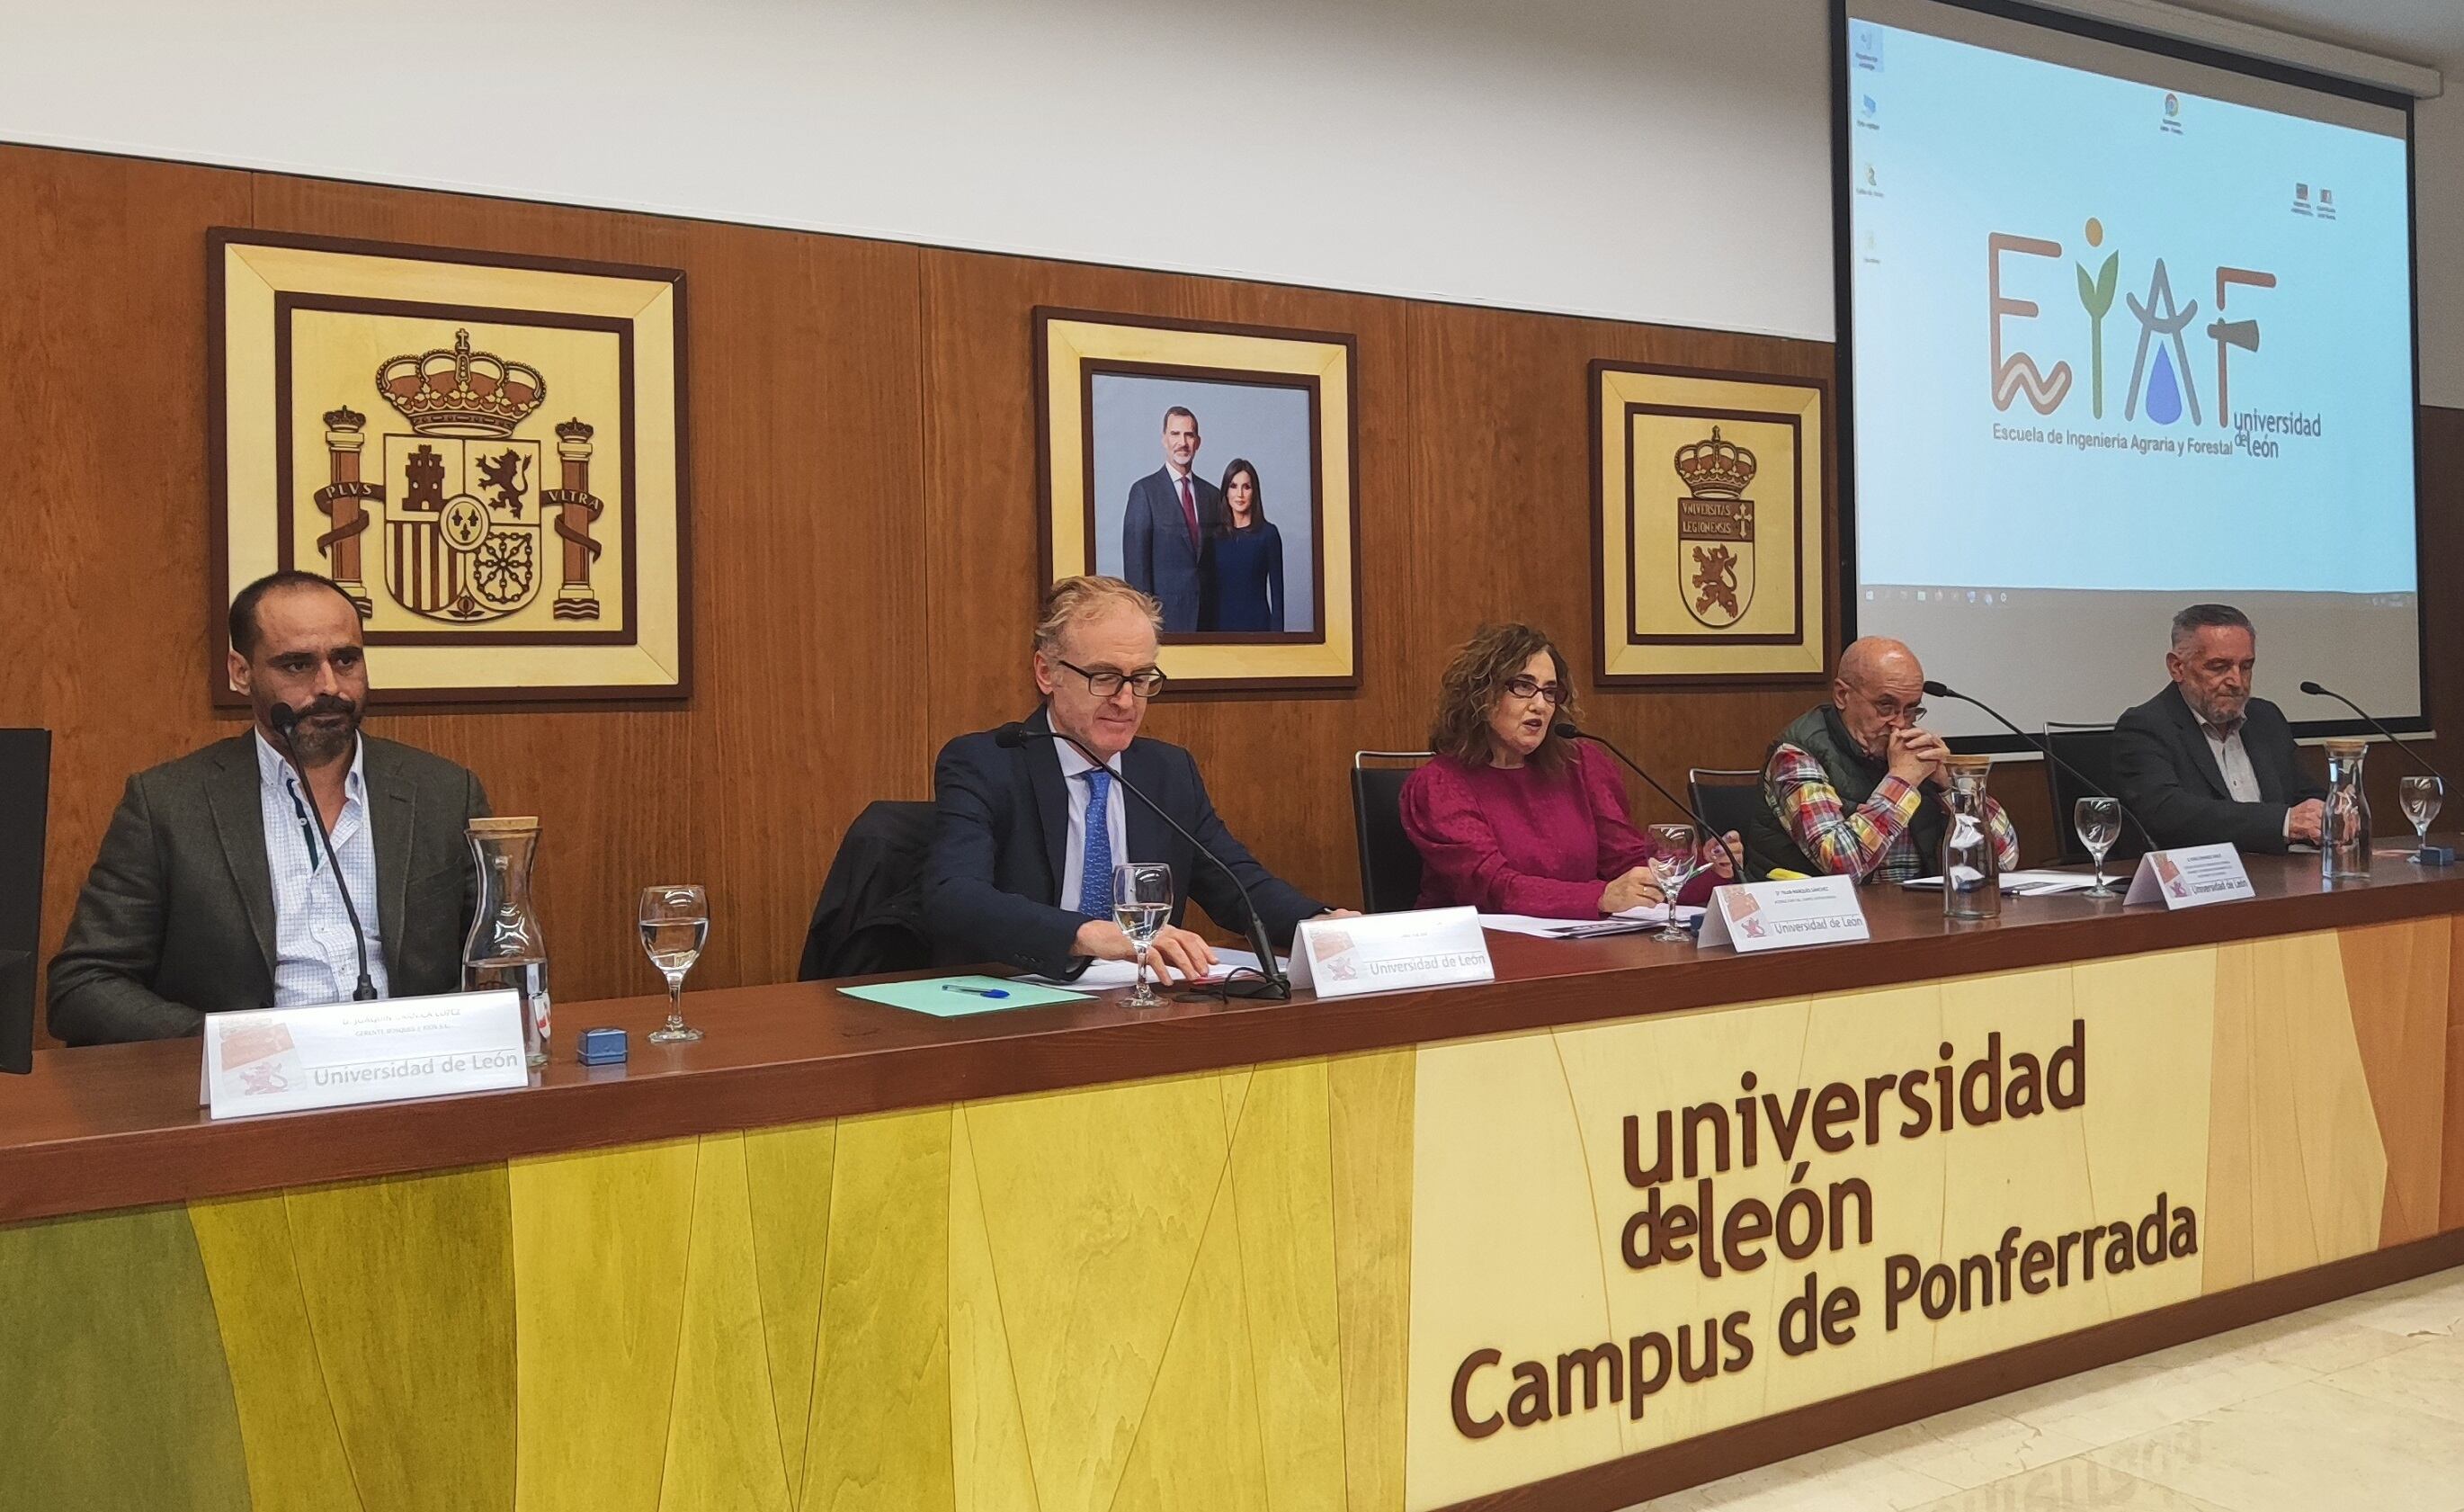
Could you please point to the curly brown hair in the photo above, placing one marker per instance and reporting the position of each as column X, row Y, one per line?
column 1477, row 678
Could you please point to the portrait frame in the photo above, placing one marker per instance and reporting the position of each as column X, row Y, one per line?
column 587, row 596
column 1694, row 584
column 1076, row 348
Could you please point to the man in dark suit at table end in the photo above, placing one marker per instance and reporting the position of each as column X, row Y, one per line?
column 2203, row 762
column 1171, row 514
column 1027, row 830
column 210, row 891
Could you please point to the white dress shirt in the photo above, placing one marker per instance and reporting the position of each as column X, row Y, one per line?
column 316, row 954
column 1074, row 767
column 2233, row 758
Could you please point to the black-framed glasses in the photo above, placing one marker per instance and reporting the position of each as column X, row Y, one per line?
column 1890, row 709
column 1144, row 683
column 1523, row 687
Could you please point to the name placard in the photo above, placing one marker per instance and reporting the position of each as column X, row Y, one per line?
column 1776, row 916
column 1380, row 952
column 2189, row 877
column 335, row 1055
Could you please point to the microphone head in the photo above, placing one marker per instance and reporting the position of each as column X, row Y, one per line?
column 2314, row 690
column 1937, row 690
column 283, row 716
column 1566, row 730
column 1011, row 736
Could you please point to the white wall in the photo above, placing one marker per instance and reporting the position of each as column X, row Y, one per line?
column 1650, row 160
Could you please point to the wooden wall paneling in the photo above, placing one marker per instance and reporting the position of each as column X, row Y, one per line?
column 803, row 402
column 862, row 482
column 102, row 597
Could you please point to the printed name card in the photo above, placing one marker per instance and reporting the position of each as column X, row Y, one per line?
column 335, row 1055
column 2189, row 877
column 1776, row 916
column 1381, row 952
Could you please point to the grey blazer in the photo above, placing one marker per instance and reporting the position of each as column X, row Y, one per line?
column 176, row 919
column 2165, row 771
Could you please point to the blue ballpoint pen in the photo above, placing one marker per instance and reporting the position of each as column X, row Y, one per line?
column 976, row 991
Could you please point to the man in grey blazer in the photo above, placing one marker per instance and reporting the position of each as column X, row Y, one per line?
column 1171, row 515
column 213, row 892
column 2203, row 762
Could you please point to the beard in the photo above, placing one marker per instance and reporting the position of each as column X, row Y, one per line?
column 316, row 744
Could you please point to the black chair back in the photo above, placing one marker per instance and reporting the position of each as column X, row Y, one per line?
column 2089, row 747
column 25, row 807
column 1389, row 864
column 870, row 915
column 1729, row 798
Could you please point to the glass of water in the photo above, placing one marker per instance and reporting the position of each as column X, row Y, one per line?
column 1672, row 860
column 675, row 923
column 2098, row 822
column 2421, row 797
column 1141, row 904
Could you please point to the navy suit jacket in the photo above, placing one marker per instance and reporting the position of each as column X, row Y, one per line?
column 1156, row 556
column 2165, row 771
column 1001, row 836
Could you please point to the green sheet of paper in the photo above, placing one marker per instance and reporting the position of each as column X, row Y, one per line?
column 959, row 996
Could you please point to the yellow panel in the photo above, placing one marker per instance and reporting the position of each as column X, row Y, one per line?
column 1283, row 1203
column 295, row 1454
column 1198, row 1446
column 987, row 1433
column 1505, row 1253
column 788, row 1172
column 2395, row 977
column 724, row 1431
column 2341, row 1151
column 600, row 1241
column 879, row 1436
column 1636, row 1068
column 1368, row 1099
column 1235, row 1086
column 2227, row 1237
column 2281, row 1238
column 409, row 1290
column 1094, row 1202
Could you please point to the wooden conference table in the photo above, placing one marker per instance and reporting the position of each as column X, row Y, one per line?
column 1629, row 1218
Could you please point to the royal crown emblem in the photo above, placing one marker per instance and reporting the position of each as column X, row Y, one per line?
column 461, row 392
column 1715, row 530
column 466, row 507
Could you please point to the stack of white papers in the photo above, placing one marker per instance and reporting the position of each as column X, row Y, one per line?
column 1631, row 922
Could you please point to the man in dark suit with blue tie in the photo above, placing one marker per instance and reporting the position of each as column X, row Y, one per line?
column 1172, row 516
column 1027, row 830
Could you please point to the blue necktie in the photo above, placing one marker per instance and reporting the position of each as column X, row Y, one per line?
column 1095, row 871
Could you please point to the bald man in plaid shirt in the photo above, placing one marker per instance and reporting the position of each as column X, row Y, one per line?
column 1855, row 786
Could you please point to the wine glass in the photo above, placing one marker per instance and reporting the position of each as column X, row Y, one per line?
column 1141, row 904
column 1672, row 860
column 2421, row 797
column 2098, row 822
column 676, row 921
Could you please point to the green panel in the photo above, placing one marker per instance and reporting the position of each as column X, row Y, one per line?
column 295, row 1455
column 116, row 1396
column 409, row 1289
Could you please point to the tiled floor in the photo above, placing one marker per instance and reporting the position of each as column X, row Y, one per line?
column 2355, row 1404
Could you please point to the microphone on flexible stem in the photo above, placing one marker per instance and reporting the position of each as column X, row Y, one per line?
column 1566, row 730
column 285, row 719
column 2317, row 692
column 1937, row 690
column 1272, row 983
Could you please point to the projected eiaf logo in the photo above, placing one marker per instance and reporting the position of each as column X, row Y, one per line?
column 2160, row 380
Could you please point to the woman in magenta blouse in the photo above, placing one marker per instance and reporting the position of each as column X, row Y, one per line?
column 1510, row 817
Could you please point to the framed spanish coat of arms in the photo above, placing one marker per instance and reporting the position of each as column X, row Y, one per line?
column 1710, row 538
column 485, row 451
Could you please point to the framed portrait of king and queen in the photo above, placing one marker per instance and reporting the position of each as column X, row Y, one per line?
column 486, row 453
column 1211, row 466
